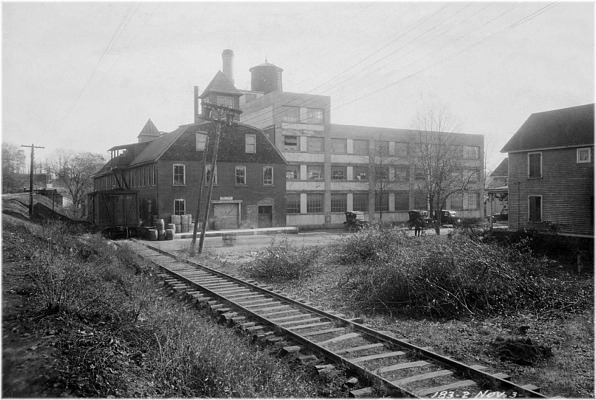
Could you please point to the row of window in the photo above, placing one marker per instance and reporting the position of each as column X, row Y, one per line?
column 583, row 155
column 360, row 173
column 295, row 115
column 315, row 144
column 240, row 175
column 360, row 202
column 136, row 177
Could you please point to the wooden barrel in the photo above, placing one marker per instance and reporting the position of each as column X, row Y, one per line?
column 176, row 219
column 160, row 225
column 185, row 219
column 185, row 227
column 169, row 234
column 172, row 227
column 178, row 228
column 161, row 234
column 151, row 234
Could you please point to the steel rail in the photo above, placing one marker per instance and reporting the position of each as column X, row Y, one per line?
column 496, row 382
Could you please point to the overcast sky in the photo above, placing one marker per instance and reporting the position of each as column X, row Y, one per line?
column 87, row 76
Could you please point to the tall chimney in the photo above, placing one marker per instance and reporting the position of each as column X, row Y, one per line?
column 228, row 64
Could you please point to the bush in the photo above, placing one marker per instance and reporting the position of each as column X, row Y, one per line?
column 448, row 278
column 372, row 244
column 282, row 262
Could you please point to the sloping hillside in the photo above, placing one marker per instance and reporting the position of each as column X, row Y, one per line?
column 17, row 204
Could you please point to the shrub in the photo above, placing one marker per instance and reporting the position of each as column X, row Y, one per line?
column 373, row 243
column 448, row 278
column 282, row 262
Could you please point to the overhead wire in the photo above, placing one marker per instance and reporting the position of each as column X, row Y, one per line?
column 365, row 58
column 130, row 11
column 512, row 26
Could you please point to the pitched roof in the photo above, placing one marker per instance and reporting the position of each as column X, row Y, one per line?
column 502, row 169
column 566, row 127
column 157, row 147
column 220, row 84
column 149, row 129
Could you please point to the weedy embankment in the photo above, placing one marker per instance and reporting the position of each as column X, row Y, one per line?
column 96, row 324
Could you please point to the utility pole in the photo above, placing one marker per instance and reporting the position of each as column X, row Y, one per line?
column 220, row 116
column 33, row 147
column 202, row 141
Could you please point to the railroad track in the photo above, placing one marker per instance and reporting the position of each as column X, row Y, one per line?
column 387, row 366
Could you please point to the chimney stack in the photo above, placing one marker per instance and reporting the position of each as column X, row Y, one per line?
column 228, row 64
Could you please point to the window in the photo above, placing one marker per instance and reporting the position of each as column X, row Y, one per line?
column 456, row 201
column 360, row 173
column 313, row 116
column 420, row 201
column 314, row 203
column 470, row 175
column 179, row 175
column 420, row 174
column 534, row 165
column 339, row 202
column 382, row 173
column 152, row 175
column 584, row 155
column 402, row 174
column 470, row 152
column 225, row 101
column 339, row 146
column 382, row 147
column 179, row 207
column 268, row 176
column 360, row 202
column 240, row 175
column 401, row 149
column 338, row 173
column 361, row 147
column 293, row 204
column 402, row 200
column 293, row 172
column 471, row 201
column 315, row 144
column 208, row 175
column 291, row 114
column 315, row 172
column 291, row 143
column 535, row 208
column 382, row 202
column 143, row 176
column 250, row 143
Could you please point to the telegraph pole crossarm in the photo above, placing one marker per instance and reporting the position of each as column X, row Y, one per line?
column 33, row 147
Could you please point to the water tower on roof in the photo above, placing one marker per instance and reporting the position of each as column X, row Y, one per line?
column 266, row 78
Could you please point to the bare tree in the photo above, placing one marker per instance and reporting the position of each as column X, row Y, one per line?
column 13, row 168
column 440, row 171
column 74, row 171
column 382, row 179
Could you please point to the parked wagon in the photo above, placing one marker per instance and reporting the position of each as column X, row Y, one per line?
column 115, row 212
column 354, row 221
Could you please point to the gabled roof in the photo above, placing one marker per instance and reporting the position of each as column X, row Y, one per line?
column 566, row 127
column 220, row 84
column 157, row 147
column 149, row 129
column 502, row 169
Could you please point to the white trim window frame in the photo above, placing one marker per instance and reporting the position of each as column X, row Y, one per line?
column 267, row 175
column 532, row 174
column 240, row 175
column 539, row 210
column 250, row 143
column 584, row 155
column 179, row 177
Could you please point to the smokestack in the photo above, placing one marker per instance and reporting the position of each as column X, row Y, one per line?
column 196, row 104
column 228, row 64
